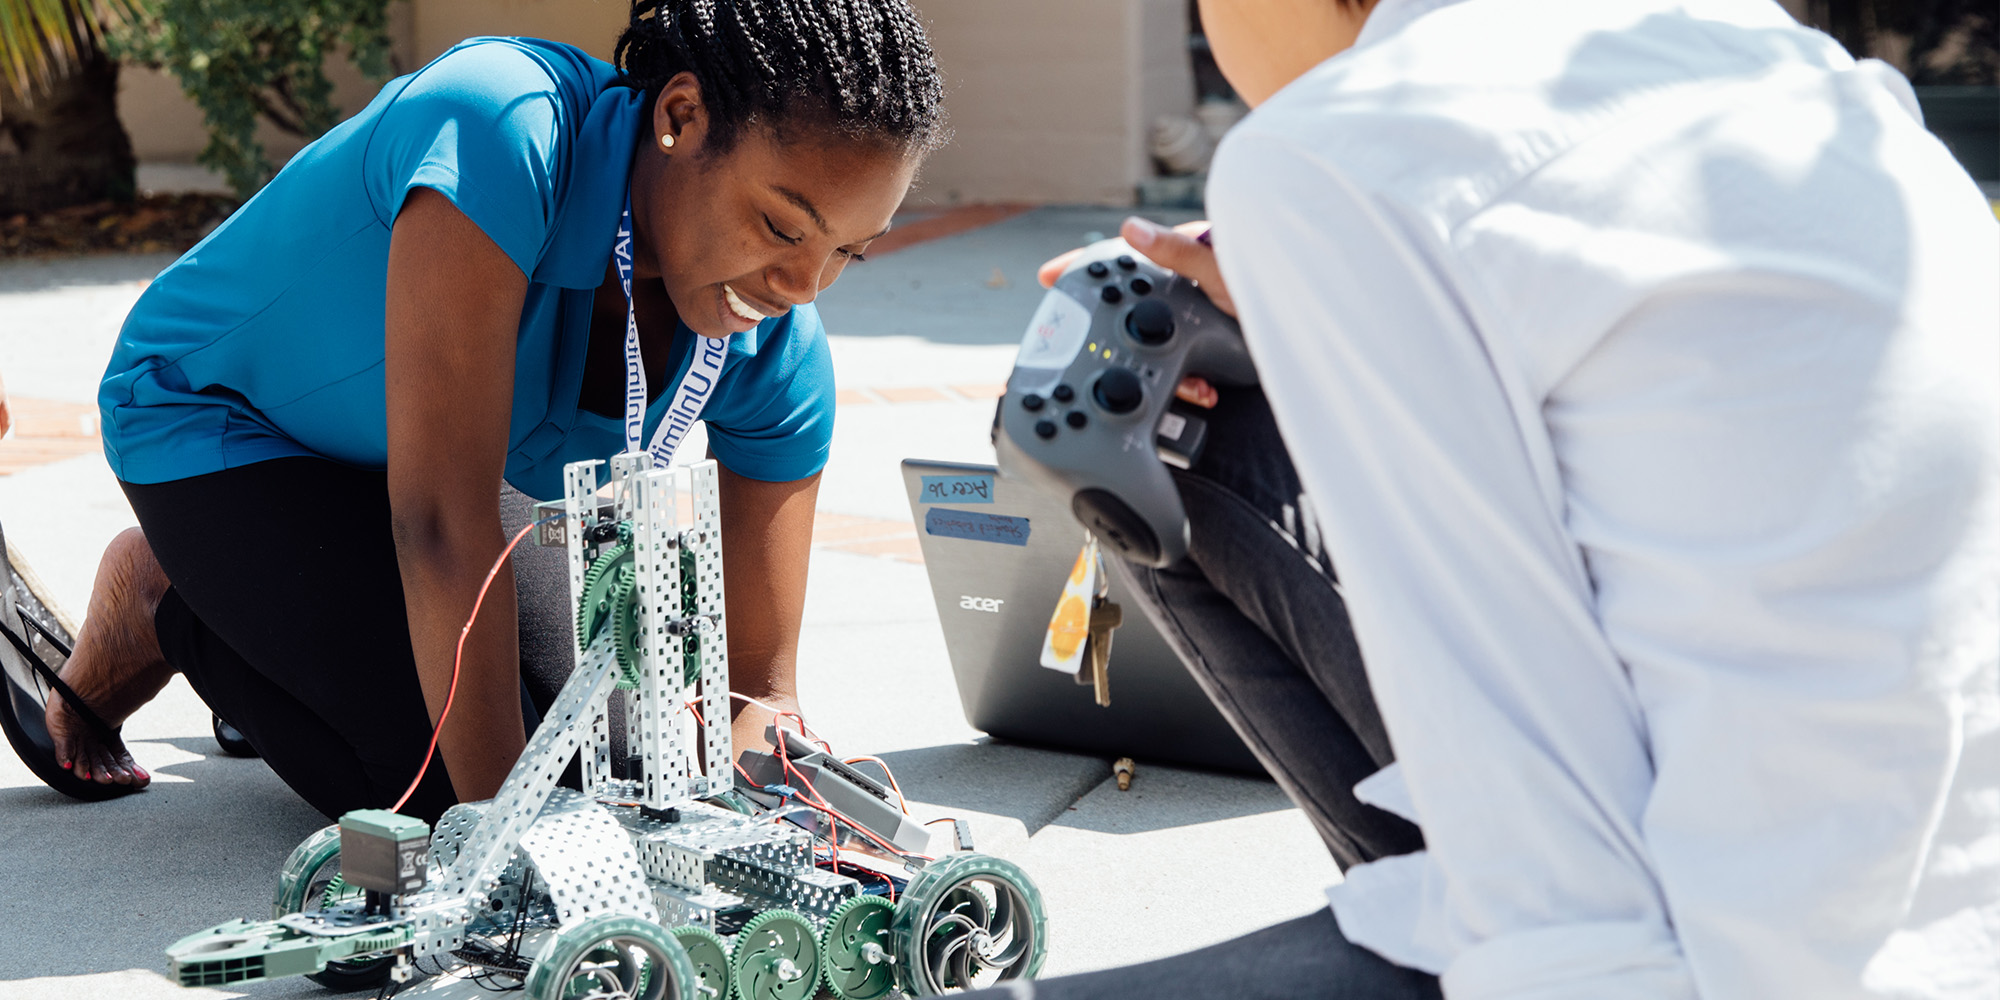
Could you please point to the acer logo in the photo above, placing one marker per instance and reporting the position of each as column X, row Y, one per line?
column 990, row 605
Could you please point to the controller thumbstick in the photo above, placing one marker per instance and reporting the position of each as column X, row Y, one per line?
column 1118, row 391
column 1151, row 322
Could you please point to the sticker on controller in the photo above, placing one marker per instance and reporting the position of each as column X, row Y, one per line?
column 997, row 528
column 1056, row 333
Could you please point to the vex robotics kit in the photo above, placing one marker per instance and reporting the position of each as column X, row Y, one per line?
column 791, row 875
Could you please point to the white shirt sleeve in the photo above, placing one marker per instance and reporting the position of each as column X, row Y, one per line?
column 1729, row 815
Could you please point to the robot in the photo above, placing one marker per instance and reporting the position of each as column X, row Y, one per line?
column 675, row 881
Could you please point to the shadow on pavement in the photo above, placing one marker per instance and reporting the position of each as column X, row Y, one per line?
column 103, row 887
column 1041, row 787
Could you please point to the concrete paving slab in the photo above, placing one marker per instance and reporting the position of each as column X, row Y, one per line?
column 865, row 474
column 59, row 317
column 1181, row 861
column 61, row 516
column 975, row 288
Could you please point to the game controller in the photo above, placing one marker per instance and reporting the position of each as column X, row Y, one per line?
column 1090, row 411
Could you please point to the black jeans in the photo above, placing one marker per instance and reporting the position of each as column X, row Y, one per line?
column 286, row 616
column 1256, row 614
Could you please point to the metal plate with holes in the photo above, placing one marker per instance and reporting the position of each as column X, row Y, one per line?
column 682, row 906
column 704, row 540
column 452, row 829
column 492, row 844
column 662, row 688
column 586, row 860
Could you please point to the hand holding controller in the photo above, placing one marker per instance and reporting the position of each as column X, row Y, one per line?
column 1089, row 411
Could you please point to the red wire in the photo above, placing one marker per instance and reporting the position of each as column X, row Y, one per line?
column 458, row 659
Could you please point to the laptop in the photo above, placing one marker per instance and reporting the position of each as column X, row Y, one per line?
column 997, row 551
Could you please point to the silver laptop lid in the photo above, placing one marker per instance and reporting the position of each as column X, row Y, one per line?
column 997, row 552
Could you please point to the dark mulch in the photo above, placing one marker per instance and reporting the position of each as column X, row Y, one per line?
column 151, row 224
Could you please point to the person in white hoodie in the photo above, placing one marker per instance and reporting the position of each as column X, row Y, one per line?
column 1639, row 361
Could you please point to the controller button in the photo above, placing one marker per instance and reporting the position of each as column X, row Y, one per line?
column 1063, row 393
column 1141, row 286
column 1045, row 429
column 1031, row 402
column 1118, row 391
column 1097, row 269
column 1111, row 294
column 1151, row 322
column 1076, row 419
column 1126, row 263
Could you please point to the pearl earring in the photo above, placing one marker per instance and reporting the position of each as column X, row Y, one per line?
column 667, row 141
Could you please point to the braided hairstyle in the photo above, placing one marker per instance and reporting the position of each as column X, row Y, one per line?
column 861, row 68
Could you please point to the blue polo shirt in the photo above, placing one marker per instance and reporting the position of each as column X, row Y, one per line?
column 266, row 339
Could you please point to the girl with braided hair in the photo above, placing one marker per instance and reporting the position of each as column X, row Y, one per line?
column 517, row 257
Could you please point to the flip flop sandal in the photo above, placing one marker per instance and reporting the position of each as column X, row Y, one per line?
column 27, row 645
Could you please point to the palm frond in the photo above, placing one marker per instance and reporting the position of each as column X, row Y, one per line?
column 40, row 38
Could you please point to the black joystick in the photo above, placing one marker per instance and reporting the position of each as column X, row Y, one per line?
column 1150, row 322
column 1119, row 331
column 1118, row 391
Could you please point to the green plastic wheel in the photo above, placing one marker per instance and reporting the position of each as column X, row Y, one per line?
column 857, row 949
column 310, row 881
column 776, row 958
column 613, row 957
column 968, row 921
column 710, row 957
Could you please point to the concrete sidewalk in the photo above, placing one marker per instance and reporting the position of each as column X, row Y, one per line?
column 922, row 338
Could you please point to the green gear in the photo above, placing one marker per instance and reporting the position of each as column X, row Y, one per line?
column 337, row 892
column 710, row 956
column 854, row 970
column 610, row 595
column 967, row 921
column 690, row 602
column 609, row 588
column 625, row 634
column 777, row 958
column 593, row 611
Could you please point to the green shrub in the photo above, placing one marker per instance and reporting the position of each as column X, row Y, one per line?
column 242, row 59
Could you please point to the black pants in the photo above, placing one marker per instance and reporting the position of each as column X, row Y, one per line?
column 1256, row 614
column 286, row 615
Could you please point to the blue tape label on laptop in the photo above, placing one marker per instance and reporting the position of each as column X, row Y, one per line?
column 956, row 489
column 978, row 527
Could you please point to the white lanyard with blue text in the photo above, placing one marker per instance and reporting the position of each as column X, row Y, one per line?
column 696, row 386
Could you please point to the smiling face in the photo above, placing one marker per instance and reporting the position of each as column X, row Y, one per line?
column 747, row 232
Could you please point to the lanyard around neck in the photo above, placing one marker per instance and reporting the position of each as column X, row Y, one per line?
column 696, row 386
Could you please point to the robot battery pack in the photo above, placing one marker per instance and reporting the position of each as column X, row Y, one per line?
column 855, row 795
column 384, row 851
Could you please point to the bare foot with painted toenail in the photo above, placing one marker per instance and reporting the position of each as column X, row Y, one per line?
column 116, row 666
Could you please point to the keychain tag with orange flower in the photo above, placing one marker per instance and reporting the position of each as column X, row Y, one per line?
column 1069, row 627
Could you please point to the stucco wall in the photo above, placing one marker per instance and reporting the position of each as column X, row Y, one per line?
column 166, row 127
column 1050, row 100
column 591, row 25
